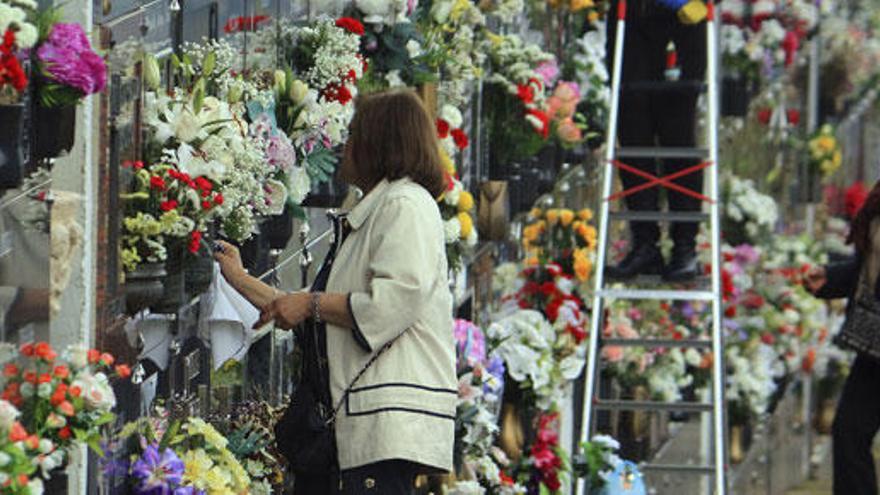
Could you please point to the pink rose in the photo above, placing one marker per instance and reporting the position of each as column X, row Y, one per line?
column 613, row 354
column 568, row 131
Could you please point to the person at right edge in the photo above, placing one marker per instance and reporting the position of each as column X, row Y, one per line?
column 659, row 119
column 857, row 418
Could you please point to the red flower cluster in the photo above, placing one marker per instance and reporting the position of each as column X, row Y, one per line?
column 10, row 69
column 459, row 137
column 545, row 296
column 244, row 23
column 338, row 92
column 854, row 198
column 544, row 451
column 195, row 241
column 351, row 25
column 544, row 131
column 442, row 129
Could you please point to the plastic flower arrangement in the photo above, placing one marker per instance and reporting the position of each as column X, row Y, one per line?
column 563, row 237
column 824, row 150
column 568, row 124
column 156, row 455
column 600, row 465
column 70, row 68
column 456, row 208
column 452, row 136
column 749, row 216
column 64, row 400
column 18, row 474
column 17, row 33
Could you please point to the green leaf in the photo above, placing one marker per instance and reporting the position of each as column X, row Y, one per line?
column 209, row 63
column 169, row 435
column 105, row 418
column 94, row 443
column 175, row 61
column 199, row 95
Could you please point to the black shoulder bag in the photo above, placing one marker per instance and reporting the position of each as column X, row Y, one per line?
column 861, row 329
column 304, row 435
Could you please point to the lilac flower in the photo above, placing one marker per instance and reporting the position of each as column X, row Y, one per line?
column 159, row 474
column 495, row 367
column 470, row 342
column 548, row 71
column 746, row 254
column 68, row 59
column 280, row 152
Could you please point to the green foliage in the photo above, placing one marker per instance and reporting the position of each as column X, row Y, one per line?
column 320, row 164
column 248, row 440
column 57, row 95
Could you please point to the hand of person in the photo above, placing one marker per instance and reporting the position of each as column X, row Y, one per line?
column 287, row 311
column 230, row 261
column 815, row 279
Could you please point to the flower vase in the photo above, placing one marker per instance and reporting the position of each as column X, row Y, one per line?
column 56, row 482
column 734, row 96
column 825, row 418
column 198, row 273
column 737, row 452
column 54, row 130
column 12, row 155
column 143, row 287
column 278, row 229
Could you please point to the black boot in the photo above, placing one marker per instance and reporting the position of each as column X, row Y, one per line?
column 683, row 267
column 642, row 260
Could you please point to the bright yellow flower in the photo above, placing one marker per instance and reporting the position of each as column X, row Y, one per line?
column 218, row 481
column 566, row 216
column 465, row 201
column 552, row 216
column 588, row 234
column 578, row 5
column 448, row 164
column 826, row 143
column 198, row 426
column 586, row 214
column 536, row 213
column 531, row 232
column 467, row 224
column 196, row 463
column 494, row 38
column 837, row 159
column 459, row 8
column 582, row 268
column 592, row 16
column 531, row 261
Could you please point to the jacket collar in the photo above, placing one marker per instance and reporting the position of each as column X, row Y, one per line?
column 362, row 211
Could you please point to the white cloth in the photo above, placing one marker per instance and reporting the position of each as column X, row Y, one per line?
column 156, row 332
column 229, row 319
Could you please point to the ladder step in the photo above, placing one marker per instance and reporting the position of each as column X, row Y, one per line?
column 645, row 405
column 639, row 152
column 659, row 216
column 689, row 86
column 679, row 468
column 683, row 343
column 658, row 294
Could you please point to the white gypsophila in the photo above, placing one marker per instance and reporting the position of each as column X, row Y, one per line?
column 12, row 16
column 733, row 40
column 336, row 53
column 394, row 80
column 452, row 230
column 508, row 11
column 452, row 116
column 772, row 33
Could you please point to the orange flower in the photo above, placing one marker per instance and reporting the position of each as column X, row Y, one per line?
column 107, row 359
column 27, row 350
column 23, row 480
column 75, row 391
column 566, row 217
column 66, row 408
column 10, row 370
column 32, row 442
column 44, row 350
column 17, row 433
column 62, row 372
column 30, row 377
column 552, row 216
column 123, row 371
column 45, row 378
column 586, row 214
column 94, row 356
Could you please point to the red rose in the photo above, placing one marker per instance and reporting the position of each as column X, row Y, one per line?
column 64, row 433
column 218, row 199
column 94, row 356
column 526, row 93
column 168, row 205
column 30, row 377
column 17, row 433
column 123, row 371
column 157, row 182
column 553, row 482
column 730, row 312
column 61, row 372
column 10, row 370
column 27, row 350
column 460, row 138
column 204, row 184
column 75, row 391
column 195, row 242
column 794, row 116
column 206, row 205
column 351, row 25
column 768, row 338
column 764, row 115
column 544, row 131
column 44, row 378
column 442, row 128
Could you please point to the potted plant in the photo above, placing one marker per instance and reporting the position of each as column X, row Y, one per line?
column 16, row 34
column 68, row 71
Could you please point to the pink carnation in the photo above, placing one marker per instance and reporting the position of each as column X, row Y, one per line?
column 68, row 59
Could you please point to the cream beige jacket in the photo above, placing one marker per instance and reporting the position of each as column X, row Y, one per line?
column 393, row 266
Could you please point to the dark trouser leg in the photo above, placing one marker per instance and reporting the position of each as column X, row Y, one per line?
column 314, row 485
column 855, row 425
column 636, row 127
column 677, row 128
column 385, row 478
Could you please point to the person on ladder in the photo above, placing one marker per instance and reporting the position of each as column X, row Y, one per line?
column 660, row 118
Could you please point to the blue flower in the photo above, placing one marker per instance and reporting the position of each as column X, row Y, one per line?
column 159, row 474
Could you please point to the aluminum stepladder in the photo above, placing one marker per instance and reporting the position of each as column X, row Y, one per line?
column 716, row 468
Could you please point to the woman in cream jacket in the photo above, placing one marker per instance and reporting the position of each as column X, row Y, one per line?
column 387, row 277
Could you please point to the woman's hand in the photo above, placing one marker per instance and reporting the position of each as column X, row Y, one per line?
column 815, row 279
column 230, row 261
column 287, row 311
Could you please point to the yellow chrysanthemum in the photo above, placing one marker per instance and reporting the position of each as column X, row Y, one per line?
column 197, row 464
column 592, row 16
column 582, row 267
column 566, row 216
column 446, row 160
column 552, row 216
column 541, row 226
column 218, row 481
column 536, row 213
column 578, row 5
column 465, row 201
column 198, row 426
column 531, row 232
column 826, row 143
column 467, row 224
column 586, row 214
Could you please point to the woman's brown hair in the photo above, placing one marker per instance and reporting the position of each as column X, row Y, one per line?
column 392, row 137
column 860, row 233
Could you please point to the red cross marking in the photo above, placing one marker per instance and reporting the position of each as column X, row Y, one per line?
column 665, row 181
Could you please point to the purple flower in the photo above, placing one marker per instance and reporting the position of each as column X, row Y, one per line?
column 68, row 59
column 159, row 474
column 470, row 342
column 495, row 367
column 548, row 71
column 280, row 152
